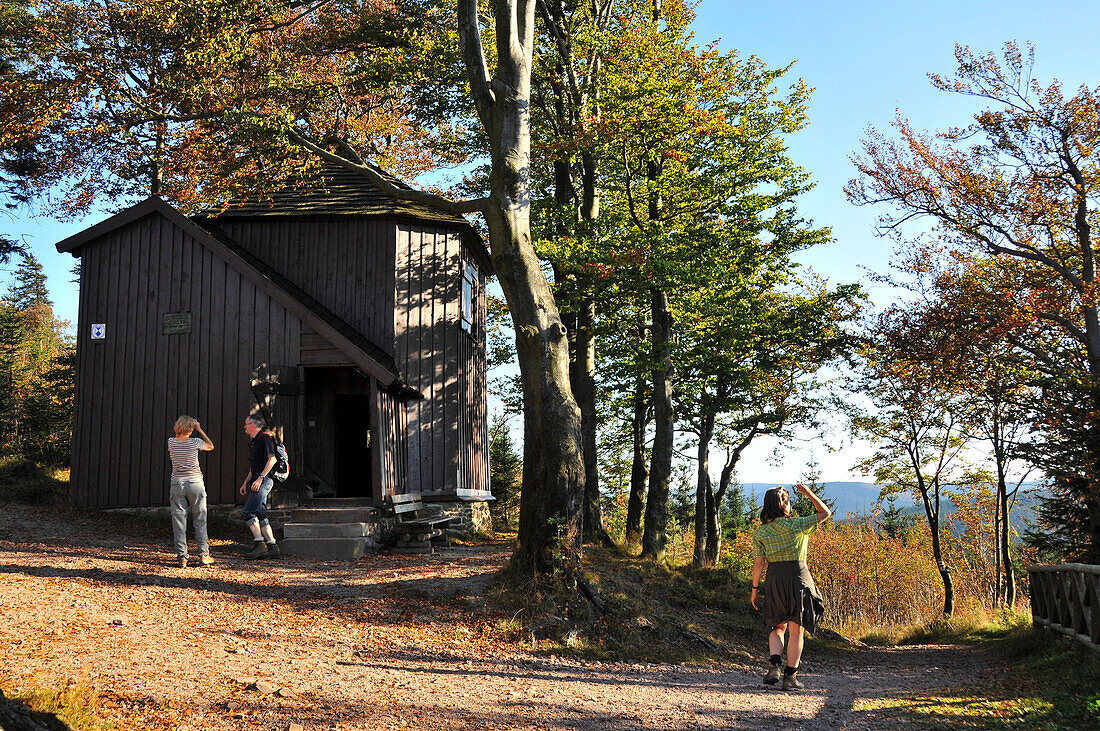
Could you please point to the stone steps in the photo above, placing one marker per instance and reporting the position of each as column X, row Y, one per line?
column 331, row 533
column 333, row 515
column 327, row 530
column 325, row 549
column 338, row 502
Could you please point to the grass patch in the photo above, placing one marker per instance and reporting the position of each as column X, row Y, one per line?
column 968, row 629
column 73, row 703
column 1047, row 681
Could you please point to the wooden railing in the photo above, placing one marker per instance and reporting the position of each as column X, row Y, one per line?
column 1066, row 598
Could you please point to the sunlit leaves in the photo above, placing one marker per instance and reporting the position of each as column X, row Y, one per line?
column 193, row 100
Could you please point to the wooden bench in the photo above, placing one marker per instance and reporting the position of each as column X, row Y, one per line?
column 414, row 531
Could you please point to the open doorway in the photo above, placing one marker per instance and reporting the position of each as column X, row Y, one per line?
column 352, row 443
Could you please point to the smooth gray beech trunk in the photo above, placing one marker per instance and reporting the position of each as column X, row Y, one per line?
column 654, row 530
column 930, row 499
column 704, row 497
column 714, row 534
column 584, row 387
column 553, row 472
column 639, row 472
column 575, row 90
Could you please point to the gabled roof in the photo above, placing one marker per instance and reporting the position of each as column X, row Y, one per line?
column 334, row 191
column 343, row 336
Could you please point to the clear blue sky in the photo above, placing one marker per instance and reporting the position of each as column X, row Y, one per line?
column 866, row 61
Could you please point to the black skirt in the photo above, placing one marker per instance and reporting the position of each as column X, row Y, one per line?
column 790, row 595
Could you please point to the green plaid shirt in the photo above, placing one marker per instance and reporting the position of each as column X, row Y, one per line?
column 784, row 539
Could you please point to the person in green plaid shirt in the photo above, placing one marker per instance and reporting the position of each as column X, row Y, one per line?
column 791, row 601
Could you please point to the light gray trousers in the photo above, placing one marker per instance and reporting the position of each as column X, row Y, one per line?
column 189, row 496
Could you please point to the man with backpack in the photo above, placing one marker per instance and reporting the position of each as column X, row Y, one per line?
column 256, row 487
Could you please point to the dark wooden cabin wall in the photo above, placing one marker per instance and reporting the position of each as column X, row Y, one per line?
column 447, row 430
column 473, row 418
column 427, row 297
column 394, row 435
column 132, row 385
column 346, row 264
column 316, row 351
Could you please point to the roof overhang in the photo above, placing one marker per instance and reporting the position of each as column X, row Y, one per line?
column 225, row 250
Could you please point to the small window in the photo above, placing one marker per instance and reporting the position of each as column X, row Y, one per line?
column 469, row 296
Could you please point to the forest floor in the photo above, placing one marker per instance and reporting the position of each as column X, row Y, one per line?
column 96, row 607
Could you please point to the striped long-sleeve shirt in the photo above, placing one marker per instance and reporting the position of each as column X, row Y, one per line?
column 185, row 458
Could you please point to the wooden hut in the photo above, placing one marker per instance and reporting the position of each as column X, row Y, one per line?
column 352, row 322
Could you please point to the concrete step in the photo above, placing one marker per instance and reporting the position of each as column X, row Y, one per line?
column 338, row 502
column 327, row 530
column 325, row 549
column 332, row 515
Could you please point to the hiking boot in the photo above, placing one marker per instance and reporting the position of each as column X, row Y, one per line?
column 206, row 560
column 272, row 551
column 772, row 676
column 258, row 551
column 182, row 562
column 790, row 682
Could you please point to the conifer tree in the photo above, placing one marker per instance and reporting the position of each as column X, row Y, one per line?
column 505, row 470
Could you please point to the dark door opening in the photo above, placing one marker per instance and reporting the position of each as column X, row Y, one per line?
column 353, row 453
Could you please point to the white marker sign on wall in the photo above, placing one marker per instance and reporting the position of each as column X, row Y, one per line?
column 99, row 331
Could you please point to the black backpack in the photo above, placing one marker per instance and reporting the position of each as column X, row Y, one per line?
column 281, row 470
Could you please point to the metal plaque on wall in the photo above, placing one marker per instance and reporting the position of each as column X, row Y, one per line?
column 176, row 323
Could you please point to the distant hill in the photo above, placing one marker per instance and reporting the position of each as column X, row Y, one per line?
column 849, row 497
column 859, row 498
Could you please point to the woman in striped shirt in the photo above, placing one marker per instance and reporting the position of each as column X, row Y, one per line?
column 188, row 491
column 791, row 601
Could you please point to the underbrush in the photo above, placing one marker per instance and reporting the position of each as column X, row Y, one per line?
column 967, row 628
column 47, row 489
column 28, row 484
column 643, row 611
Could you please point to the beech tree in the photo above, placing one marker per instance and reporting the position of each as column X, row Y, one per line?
column 965, row 317
column 916, row 424
column 1018, row 184
column 748, row 368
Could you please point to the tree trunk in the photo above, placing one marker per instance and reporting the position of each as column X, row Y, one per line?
column 1092, row 494
column 553, row 472
column 937, row 555
column 1090, row 314
column 638, row 470
column 1006, row 530
column 584, row 387
column 714, row 530
column 704, row 498
column 654, row 532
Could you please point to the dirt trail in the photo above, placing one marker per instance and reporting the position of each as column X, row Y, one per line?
column 360, row 645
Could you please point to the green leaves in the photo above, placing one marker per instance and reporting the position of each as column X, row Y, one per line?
column 193, row 100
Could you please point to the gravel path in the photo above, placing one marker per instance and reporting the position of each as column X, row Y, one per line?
column 370, row 644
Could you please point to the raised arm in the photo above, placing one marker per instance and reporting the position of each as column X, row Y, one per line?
column 823, row 512
column 207, row 445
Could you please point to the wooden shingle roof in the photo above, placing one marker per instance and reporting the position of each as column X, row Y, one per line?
column 334, row 191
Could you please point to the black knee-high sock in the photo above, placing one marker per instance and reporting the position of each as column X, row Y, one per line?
column 776, row 660
column 789, row 670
